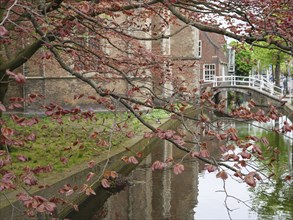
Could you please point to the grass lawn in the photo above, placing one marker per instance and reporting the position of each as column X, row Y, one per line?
column 73, row 141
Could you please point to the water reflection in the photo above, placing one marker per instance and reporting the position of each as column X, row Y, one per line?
column 212, row 199
column 195, row 194
column 274, row 200
column 156, row 195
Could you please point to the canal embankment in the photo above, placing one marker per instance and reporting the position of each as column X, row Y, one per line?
column 10, row 208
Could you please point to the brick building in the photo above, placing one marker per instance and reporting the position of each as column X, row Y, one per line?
column 212, row 55
column 194, row 54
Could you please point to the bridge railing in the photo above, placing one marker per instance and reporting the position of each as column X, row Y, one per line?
column 259, row 83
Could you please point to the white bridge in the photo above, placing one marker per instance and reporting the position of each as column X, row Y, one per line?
column 260, row 84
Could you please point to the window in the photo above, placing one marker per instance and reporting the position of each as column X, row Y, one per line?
column 85, row 41
column 209, row 71
column 199, row 52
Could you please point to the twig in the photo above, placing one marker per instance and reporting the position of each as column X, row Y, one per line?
column 8, row 12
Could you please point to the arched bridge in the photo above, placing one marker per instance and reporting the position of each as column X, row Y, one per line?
column 260, row 84
column 259, row 88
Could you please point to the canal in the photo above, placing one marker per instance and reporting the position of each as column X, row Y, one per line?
column 197, row 194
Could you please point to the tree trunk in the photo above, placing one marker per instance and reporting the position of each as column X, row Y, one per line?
column 3, row 89
column 278, row 70
column 273, row 74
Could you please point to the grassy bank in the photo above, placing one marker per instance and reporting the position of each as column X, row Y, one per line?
column 72, row 142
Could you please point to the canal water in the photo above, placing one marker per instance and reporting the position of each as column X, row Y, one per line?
column 196, row 194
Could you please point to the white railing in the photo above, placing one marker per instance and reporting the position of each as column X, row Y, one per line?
column 258, row 83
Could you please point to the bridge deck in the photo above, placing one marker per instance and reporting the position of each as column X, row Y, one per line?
column 260, row 84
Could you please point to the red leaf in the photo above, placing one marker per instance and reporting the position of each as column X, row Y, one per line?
column 223, row 149
column 251, row 103
column 50, row 206
column 68, row 148
column 253, row 138
column 2, row 152
column 103, row 143
column 75, row 142
column 15, row 105
column 22, row 158
column 204, row 153
column 30, row 180
column 49, row 113
column 64, row 160
column 89, row 191
column 32, row 96
column 92, row 97
column 105, row 183
column 287, row 178
column 249, row 179
column 210, row 168
column 178, row 168
column 158, row 165
column 148, row 135
column 245, row 155
column 81, row 146
column 89, row 176
column 2, row 107
column 31, row 137
column 85, row 7
column 94, row 135
column 222, row 174
column 76, row 207
column 130, row 134
column 138, row 154
column 125, row 159
column 113, row 174
column 91, row 164
column 78, row 96
column 257, row 149
column 132, row 160
column 19, row 78
column 265, row 141
column 3, row 31
column 7, row 132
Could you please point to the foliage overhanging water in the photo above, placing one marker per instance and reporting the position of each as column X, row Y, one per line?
column 196, row 194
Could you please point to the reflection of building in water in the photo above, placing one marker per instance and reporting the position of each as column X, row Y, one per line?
column 158, row 194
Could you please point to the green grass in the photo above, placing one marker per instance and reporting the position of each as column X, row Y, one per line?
column 73, row 139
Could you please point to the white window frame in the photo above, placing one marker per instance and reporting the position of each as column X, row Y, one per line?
column 199, row 47
column 85, row 40
column 209, row 72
